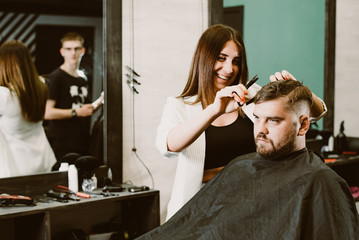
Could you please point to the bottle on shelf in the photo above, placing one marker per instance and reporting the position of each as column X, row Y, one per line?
column 73, row 178
column 340, row 144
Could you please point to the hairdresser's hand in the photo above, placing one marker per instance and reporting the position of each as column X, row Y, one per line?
column 85, row 110
column 227, row 99
column 317, row 108
column 284, row 75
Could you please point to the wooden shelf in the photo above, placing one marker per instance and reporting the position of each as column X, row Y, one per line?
column 136, row 213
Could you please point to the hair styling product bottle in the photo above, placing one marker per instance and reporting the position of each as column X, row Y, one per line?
column 341, row 140
column 73, row 178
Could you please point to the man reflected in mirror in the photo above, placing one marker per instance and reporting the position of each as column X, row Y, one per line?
column 68, row 109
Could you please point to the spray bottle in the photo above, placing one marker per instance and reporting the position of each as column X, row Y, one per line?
column 340, row 140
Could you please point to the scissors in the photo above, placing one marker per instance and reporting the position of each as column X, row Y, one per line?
column 249, row 84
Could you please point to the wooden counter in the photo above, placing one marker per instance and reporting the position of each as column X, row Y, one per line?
column 347, row 168
column 135, row 213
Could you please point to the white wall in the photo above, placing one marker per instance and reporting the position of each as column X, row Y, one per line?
column 159, row 38
column 347, row 67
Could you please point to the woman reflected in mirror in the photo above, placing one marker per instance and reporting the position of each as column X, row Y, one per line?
column 24, row 148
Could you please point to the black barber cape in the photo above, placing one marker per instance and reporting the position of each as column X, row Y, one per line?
column 252, row 198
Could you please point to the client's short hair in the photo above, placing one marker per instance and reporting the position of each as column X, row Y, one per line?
column 293, row 90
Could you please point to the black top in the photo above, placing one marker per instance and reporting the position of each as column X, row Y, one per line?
column 68, row 135
column 227, row 142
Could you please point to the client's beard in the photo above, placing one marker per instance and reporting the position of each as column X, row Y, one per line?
column 277, row 151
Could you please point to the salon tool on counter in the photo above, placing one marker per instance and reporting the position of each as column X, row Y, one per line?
column 138, row 188
column 58, row 196
column 113, row 189
column 125, row 188
column 66, row 190
column 63, row 194
column 8, row 199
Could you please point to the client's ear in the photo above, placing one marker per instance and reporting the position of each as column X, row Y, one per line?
column 304, row 125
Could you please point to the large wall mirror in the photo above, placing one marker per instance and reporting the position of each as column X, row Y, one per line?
column 41, row 24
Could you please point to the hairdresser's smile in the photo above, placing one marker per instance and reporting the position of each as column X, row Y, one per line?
column 223, row 77
column 227, row 65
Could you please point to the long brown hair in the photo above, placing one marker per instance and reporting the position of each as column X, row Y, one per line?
column 200, row 80
column 18, row 73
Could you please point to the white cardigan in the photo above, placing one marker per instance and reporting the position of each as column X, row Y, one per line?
column 190, row 166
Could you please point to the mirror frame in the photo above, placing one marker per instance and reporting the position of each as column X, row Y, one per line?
column 329, row 63
column 113, row 133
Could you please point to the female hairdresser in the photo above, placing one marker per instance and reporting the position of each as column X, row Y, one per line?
column 24, row 148
column 204, row 126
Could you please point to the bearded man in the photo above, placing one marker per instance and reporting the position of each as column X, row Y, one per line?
column 283, row 191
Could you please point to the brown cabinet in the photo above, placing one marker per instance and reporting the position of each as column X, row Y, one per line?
column 135, row 213
column 348, row 168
